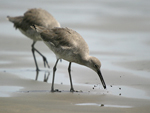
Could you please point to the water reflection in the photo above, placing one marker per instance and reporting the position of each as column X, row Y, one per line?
column 46, row 76
column 43, row 75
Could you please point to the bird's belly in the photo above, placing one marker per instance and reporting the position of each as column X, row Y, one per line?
column 31, row 34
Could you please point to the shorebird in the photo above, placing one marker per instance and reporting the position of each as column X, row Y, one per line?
column 34, row 16
column 67, row 44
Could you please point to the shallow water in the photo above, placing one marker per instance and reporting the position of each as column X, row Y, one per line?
column 129, row 92
column 103, row 105
column 6, row 91
column 46, row 76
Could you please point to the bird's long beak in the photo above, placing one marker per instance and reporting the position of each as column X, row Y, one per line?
column 101, row 78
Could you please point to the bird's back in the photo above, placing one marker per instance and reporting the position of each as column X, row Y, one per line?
column 33, row 17
column 64, row 42
column 40, row 17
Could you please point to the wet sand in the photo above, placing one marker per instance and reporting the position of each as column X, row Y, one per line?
column 115, row 33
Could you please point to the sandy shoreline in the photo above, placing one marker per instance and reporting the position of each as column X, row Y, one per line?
column 35, row 97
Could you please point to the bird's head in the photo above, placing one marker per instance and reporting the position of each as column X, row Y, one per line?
column 95, row 65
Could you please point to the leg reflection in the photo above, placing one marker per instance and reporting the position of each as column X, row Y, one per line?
column 37, row 74
column 46, row 76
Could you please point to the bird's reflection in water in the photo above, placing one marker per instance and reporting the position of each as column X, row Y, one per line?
column 46, row 76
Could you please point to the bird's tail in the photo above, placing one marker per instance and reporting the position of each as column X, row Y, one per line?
column 11, row 19
column 16, row 20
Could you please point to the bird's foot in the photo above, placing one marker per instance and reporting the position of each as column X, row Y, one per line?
column 56, row 90
column 72, row 90
column 45, row 62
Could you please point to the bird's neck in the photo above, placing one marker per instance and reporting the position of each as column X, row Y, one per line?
column 86, row 61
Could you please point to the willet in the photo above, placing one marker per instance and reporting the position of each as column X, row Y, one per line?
column 67, row 44
column 34, row 16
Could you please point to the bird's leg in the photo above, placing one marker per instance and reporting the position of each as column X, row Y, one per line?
column 69, row 70
column 37, row 68
column 54, row 70
column 44, row 58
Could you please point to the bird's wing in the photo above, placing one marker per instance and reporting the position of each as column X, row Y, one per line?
column 58, row 36
column 63, row 38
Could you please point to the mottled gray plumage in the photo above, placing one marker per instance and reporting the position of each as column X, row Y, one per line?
column 67, row 44
column 34, row 16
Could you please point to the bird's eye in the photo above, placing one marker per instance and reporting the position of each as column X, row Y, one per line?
column 95, row 66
